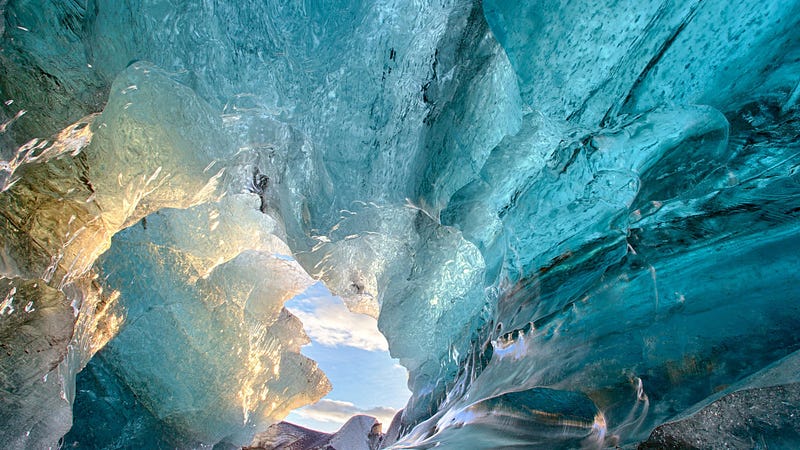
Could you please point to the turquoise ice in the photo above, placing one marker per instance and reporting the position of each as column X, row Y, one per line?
column 573, row 222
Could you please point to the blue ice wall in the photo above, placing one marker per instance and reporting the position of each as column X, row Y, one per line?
column 575, row 219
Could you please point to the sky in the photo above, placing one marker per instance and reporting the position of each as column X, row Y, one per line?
column 354, row 355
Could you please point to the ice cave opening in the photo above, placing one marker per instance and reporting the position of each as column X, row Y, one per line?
column 576, row 225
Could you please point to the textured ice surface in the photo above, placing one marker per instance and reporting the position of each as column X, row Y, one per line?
column 587, row 64
column 127, row 164
column 207, row 348
column 35, row 330
column 597, row 202
column 62, row 201
column 432, row 269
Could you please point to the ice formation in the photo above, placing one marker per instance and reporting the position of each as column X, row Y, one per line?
column 577, row 224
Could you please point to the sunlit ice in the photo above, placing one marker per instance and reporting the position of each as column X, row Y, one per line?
column 387, row 224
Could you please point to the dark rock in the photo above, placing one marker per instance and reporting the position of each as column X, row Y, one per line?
column 766, row 417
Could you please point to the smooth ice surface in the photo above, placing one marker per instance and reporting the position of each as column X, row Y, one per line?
column 553, row 209
column 208, row 348
column 62, row 202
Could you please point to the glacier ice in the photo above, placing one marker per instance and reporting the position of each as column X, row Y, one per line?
column 208, row 348
column 536, row 417
column 44, row 330
column 744, row 415
column 575, row 223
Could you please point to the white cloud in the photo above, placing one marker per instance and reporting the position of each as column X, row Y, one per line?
column 328, row 322
column 336, row 411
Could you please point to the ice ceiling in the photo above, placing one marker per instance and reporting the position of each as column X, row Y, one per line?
column 574, row 222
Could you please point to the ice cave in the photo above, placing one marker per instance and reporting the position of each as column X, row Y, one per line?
column 575, row 224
